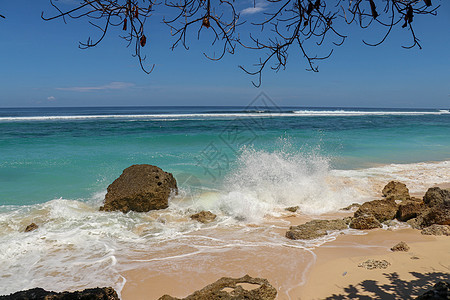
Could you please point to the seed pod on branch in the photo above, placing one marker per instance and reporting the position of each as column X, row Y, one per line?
column 124, row 24
column 206, row 22
column 427, row 2
column 143, row 40
column 136, row 11
column 310, row 8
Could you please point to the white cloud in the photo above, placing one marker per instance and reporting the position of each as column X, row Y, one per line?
column 116, row 85
column 51, row 98
column 257, row 7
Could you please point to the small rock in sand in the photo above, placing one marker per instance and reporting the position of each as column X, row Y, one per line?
column 436, row 229
column 372, row 264
column 402, row 246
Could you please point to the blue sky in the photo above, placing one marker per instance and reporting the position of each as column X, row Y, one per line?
column 41, row 65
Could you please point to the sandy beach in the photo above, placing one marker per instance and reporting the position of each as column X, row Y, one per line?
column 328, row 271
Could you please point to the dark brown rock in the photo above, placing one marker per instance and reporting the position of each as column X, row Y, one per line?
column 365, row 222
column 436, row 229
column 382, row 210
column 402, row 246
column 438, row 214
column 409, row 209
column 106, row 293
column 436, row 196
column 204, row 216
column 292, row 208
column 314, row 229
column 231, row 289
column 31, row 227
column 440, row 291
column 395, row 190
column 140, row 188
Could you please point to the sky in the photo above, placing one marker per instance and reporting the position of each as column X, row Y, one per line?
column 41, row 65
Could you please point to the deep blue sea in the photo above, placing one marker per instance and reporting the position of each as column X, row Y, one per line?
column 243, row 163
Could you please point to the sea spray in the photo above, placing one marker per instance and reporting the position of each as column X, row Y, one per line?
column 265, row 182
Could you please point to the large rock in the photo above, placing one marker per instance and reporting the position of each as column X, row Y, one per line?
column 140, row 188
column 232, row 289
column 409, row 209
column 395, row 190
column 436, row 229
column 440, row 291
column 315, row 229
column 438, row 214
column 436, row 196
column 106, row 293
column 382, row 210
column 364, row 222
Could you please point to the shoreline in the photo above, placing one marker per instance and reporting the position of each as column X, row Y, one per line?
column 329, row 271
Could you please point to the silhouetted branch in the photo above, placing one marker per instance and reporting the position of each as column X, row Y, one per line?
column 308, row 27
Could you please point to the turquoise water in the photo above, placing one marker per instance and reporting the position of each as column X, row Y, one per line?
column 245, row 164
column 74, row 153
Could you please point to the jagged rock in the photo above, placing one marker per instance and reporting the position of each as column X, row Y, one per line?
column 140, row 188
column 409, row 210
column 436, row 229
column 440, row 291
column 352, row 206
column 204, row 216
column 438, row 214
column 292, row 208
column 371, row 264
column 365, row 222
column 106, row 293
column 31, row 227
column 230, row 289
column 314, row 229
column 382, row 210
column 402, row 246
column 436, row 196
column 395, row 190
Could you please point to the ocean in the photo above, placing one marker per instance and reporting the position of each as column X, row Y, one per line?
column 245, row 164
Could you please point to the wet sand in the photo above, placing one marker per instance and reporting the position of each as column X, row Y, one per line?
column 329, row 271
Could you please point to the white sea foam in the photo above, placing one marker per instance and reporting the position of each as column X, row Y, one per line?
column 168, row 117
column 76, row 246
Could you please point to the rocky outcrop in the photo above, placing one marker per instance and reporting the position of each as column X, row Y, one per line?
column 31, row 227
column 204, row 216
column 436, row 229
column 315, row 229
column 140, row 188
column 395, row 190
column 402, row 246
column 106, row 293
column 440, row 291
column 409, row 209
column 382, row 210
column 364, row 222
column 232, row 289
column 436, row 196
column 372, row 264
